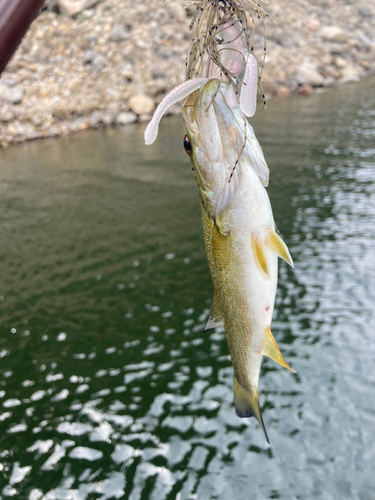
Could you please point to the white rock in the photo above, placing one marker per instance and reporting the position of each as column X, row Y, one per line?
column 333, row 34
column 146, row 117
column 126, row 117
column 141, row 104
column 118, row 33
column 6, row 115
column 72, row 7
column 350, row 75
column 307, row 73
column 329, row 81
column 96, row 59
column 90, row 56
column 11, row 94
column 126, row 70
column 10, row 82
column 96, row 119
column 37, row 119
column 366, row 42
column 108, row 119
column 340, row 62
column 100, row 61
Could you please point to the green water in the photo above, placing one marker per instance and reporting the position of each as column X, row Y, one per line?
column 108, row 387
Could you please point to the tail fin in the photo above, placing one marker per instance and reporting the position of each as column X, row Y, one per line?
column 247, row 404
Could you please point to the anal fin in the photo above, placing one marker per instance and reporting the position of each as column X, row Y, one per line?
column 259, row 254
column 276, row 243
column 215, row 318
column 272, row 351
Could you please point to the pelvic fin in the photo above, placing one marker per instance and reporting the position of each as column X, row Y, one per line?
column 215, row 318
column 259, row 254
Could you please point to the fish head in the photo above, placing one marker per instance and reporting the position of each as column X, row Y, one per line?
column 215, row 142
column 219, row 140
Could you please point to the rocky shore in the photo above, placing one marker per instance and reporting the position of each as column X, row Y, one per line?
column 113, row 61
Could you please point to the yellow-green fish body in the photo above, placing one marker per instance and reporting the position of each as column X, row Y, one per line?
column 239, row 233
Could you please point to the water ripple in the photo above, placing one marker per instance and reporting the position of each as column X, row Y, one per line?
column 108, row 387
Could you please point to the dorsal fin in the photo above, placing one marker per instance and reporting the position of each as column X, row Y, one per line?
column 215, row 318
column 276, row 243
column 259, row 255
column 272, row 351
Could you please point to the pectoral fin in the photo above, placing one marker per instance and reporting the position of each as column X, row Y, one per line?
column 259, row 254
column 276, row 243
column 215, row 318
column 219, row 228
column 272, row 351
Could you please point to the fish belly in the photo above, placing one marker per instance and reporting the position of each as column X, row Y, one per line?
column 244, row 292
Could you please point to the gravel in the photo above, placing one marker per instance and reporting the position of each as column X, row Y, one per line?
column 113, row 62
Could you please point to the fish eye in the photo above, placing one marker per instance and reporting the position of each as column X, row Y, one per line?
column 187, row 145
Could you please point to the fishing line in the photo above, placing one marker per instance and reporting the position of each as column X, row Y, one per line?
column 242, row 150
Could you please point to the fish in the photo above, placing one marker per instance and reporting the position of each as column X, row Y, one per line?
column 240, row 237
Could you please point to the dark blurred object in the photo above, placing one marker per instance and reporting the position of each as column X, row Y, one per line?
column 15, row 18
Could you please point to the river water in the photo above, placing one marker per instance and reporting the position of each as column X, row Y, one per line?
column 108, row 386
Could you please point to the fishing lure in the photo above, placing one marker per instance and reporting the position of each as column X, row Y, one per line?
column 224, row 43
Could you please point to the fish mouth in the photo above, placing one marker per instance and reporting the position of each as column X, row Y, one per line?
column 209, row 90
column 206, row 114
column 198, row 103
column 212, row 110
column 207, row 99
column 214, row 127
column 216, row 131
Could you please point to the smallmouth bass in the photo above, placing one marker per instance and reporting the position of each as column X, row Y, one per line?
column 241, row 243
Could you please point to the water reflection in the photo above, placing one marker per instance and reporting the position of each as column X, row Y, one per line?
column 109, row 389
